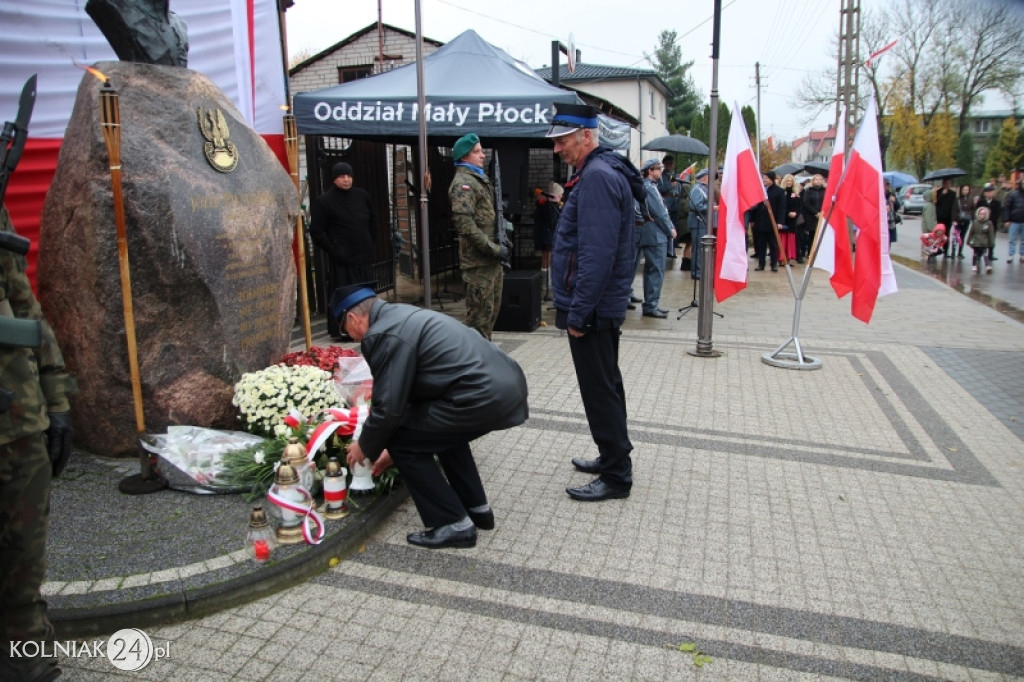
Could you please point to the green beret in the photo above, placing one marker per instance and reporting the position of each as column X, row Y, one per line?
column 464, row 145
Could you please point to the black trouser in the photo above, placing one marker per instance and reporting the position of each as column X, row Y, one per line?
column 440, row 498
column 765, row 240
column 596, row 358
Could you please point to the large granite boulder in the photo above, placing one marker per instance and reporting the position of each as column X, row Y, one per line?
column 212, row 273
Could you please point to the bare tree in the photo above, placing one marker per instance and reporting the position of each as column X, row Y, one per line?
column 984, row 52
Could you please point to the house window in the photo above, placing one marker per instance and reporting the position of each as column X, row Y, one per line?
column 981, row 126
column 347, row 74
column 651, row 107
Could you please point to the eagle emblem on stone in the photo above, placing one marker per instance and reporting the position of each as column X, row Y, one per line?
column 220, row 151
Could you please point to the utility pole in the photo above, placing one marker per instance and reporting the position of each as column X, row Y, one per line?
column 757, row 125
column 848, row 71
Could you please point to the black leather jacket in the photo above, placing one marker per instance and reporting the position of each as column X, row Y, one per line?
column 433, row 374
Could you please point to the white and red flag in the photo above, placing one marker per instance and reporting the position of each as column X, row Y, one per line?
column 879, row 53
column 741, row 189
column 834, row 245
column 861, row 196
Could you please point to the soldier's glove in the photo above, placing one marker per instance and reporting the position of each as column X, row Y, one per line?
column 58, row 440
column 503, row 253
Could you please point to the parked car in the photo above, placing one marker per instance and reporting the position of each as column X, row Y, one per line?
column 913, row 198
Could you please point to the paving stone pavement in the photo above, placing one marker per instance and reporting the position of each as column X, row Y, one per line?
column 860, row 521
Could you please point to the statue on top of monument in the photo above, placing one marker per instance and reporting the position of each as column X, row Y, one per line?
column 143, row 31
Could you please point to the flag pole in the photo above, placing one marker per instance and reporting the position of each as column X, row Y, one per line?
column 705, row 312
column 424, row 214
column 797, row 359
column 291, row 143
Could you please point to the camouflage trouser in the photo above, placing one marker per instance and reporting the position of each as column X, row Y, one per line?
column 483, row 297
column 25, row 471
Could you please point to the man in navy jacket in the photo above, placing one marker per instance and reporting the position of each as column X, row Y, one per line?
column 592, row 266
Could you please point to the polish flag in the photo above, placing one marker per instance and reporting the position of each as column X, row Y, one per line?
column 861, row 196
column 834, row 246
column 879, row 53
column 741, row 189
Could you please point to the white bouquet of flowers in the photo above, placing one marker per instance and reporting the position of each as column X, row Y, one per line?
column 265, row 398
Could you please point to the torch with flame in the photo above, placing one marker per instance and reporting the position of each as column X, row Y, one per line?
column 149, row 479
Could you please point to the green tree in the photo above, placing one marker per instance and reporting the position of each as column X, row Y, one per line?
column 941, row 140
column 1004, row 154
column 749, row 120
column 1020, row 149
column 701, row 129
column 965, row 156
column 685, row 101
column 909, row 148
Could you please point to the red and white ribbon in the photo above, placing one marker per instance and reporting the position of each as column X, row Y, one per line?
column 294, row 419
column 345, row 421
column 309, row 515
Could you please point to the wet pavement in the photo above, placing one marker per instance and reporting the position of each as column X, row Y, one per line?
column 863, row 521
column 1002, row 289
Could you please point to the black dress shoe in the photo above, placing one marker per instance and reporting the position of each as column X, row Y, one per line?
column 775, row 268
column 634, row 299
column 443, row 536
column 630, row 306
column 759, row 268
column 587, row 466
column 655, row 313
column 597, row 490
column 482, row 520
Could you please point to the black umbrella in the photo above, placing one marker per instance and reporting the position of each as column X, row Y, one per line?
column 944, row 173
column 678, row 144
column 789, row 168
column 819, row 167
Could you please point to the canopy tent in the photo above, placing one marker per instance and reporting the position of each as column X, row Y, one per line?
column 471, row 86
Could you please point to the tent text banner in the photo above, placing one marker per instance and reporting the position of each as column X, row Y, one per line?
column 446, row 118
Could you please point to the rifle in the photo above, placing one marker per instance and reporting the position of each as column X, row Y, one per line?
column 12, row 140
column 16, row 332
column 501, row 226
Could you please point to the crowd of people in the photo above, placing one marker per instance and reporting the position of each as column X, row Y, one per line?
column 962, row 218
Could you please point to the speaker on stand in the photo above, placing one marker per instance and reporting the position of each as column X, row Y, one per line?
column 520, row 302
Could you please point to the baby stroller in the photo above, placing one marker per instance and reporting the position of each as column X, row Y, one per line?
column 932, row 242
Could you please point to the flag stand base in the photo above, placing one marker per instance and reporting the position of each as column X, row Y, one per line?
column 795, row 360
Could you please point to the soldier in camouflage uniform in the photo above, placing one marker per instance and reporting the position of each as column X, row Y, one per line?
column 480, row 255
column 35, row 442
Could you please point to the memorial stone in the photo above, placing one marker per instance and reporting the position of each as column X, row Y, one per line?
column 209, row 213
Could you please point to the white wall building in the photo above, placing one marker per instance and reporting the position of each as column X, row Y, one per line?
column 639, row 96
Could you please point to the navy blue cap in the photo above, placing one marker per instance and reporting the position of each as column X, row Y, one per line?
column 345, row 298
column 569, row 118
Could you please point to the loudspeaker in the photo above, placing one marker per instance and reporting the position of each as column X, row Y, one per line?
column 520, row 302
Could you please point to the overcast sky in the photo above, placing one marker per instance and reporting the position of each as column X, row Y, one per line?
column 790, row 38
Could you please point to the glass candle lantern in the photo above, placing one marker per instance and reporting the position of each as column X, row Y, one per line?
column 334, row 490
column 259, row 536
column 288, row 520
column 295, row 454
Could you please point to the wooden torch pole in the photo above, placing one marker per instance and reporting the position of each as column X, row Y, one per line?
column 291, row 143
column 148, row 480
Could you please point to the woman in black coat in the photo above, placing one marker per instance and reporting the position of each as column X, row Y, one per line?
column 813, row 199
